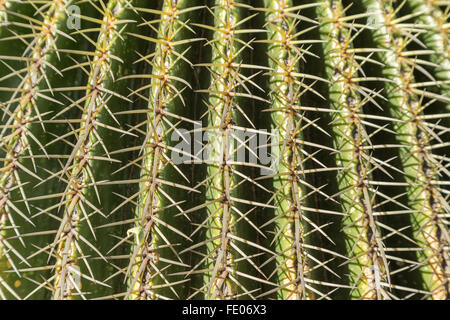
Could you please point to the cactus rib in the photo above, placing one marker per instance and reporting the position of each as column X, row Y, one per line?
column 26, row 109
column 287, row 84
column 77, row 226
column 224, row 149
column 367, row 261
column 160, row 219
column 225, row 198
column 406, row 103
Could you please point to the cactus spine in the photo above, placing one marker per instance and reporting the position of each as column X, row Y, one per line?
column 136, row 162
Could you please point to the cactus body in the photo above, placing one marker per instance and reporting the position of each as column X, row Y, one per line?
column 419, row 165
column 136, row 161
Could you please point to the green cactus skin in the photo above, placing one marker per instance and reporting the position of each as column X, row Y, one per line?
column 95, row 205
column 91, row 162
column 435, row 38
column 433, row 20
column 220, row 281
column 229, row 266
column 367, row 264
column 284, row 88
column 162, row 226
column 425, row 199
column 28, row 156
column 286, row 85
column 7, row 32
column 12, row 14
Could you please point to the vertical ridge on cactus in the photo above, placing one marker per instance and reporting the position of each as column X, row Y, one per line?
column 285, row 91
column 28, row 131
column 287, row 86
column 433, row 20
column 105, row 96
column 229, row 92
column 436, row 43
column 368, row 263
column 407, row 103
column 224, row 149
column 161, row 226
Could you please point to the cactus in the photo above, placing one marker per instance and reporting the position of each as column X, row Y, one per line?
column 264, row 149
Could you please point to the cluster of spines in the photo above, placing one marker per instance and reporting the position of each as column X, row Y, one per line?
column 287, row 85
column 434, row 23
column 77, row 172
column 366, row 259
column 164, row 224
column 288, row 119
column 230, row 96
column 427, row 203
column 74, row 230
column 154, row 220
column 433, row 26
column 21, row 111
